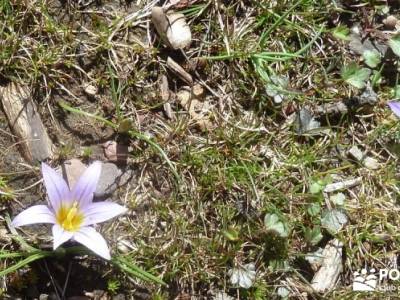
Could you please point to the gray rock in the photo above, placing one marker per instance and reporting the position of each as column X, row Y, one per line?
column 356, row 153
column 72, row 169
column 358, row 46
column 305, row 122
column 368, row 96
column 371, row 163
column 110, row 179
column 25, row 122
column 111, row 176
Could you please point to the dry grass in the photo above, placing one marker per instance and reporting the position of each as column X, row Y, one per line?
column 198, row 207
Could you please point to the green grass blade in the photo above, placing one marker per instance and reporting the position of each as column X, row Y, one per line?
column 6, row 254
column 28, row 260
column 267, row 32
column 132, row 269
column 15, row 236
column 268, row 56
column 66, row 107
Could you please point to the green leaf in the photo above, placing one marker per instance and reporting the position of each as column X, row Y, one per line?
column 314, row 209
column 231, row 234
column 273, row 222
column 341, row 32
column 125, row 125
column 31, row 258
column 334, row 220
column 338, row 199
column 316, row 187
column 396, row 92
column 313, row 236
column 278, row 264
column 355, row 75
column 376, row 78
column 372, row 58
column 394, row 44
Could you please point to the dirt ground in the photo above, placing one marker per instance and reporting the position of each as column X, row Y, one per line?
column 271, row 141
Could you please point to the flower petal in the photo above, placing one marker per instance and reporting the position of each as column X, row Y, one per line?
column 56, row 187
column 33, row 215
column 60, row 236
column 86, row 185
column 98, row 212
column 395, row 107
column 93, row 240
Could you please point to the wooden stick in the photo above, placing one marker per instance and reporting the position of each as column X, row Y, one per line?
column 179, row 71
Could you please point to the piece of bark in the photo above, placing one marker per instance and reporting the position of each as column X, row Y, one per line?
column 179, row 71
column 341, row 185
column 165, row 95
column 164, row 90
column 25, row 122
column 331, row 267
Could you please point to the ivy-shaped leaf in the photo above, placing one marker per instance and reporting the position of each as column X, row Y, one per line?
column 355, row 75
column 334, row 220
column 341, row 32
column 273, row 222
column 314, row 235
column 372, row 58
column 394, row 44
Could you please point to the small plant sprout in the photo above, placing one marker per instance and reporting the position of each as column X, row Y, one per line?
column 395, row 107
column 243, row 276
column 72, row 211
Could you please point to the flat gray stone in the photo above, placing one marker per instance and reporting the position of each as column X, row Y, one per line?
column 110, row 179
column 358, row 46
column 71, row 170
column 371, row 163
column 111, row 176
column 356, row 153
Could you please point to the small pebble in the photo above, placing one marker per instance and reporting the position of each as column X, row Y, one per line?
column 356, row 153
column 90, row 89
column 184, row 97
column 172, row 28
column 371, row 163
column 278, row 99
column 124, row 246
column 115, row 152
column 198, row 91
column 390, row 22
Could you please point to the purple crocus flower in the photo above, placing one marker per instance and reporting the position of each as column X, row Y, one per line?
column 72, row 211
column 395, row 107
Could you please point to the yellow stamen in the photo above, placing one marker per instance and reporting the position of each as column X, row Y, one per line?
column 69, row 217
